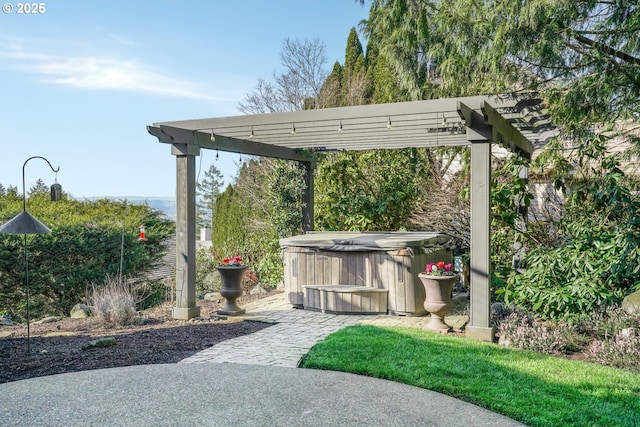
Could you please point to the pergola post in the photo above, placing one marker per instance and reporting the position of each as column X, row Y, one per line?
column 308, row 196
column 185, row 307
column 479, row 327
column 521, row 224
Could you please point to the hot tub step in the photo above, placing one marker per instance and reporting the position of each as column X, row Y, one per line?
column 345, row 299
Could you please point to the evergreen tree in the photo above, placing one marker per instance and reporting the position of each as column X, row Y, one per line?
column 585, row 56
column 332, row 88
column 385, row 83
column 12, row 191
column 38, row 189
column 207, row 191
column 354, row 74
column 228, row 234
column 399, row 29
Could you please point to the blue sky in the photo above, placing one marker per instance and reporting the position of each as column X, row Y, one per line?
column 80, row 82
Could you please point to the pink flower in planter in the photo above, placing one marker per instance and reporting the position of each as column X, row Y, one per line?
column 440, row 269
column 236, row 260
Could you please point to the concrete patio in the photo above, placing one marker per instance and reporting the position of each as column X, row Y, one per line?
column 248, row 381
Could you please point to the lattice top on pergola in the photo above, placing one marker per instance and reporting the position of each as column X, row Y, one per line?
column 518, row 121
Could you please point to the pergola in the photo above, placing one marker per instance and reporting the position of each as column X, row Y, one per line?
column 518, row 122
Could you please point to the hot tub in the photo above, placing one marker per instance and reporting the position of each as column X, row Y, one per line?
column 378, row 260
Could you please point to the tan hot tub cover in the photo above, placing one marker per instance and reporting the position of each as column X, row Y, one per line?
column 345, row 241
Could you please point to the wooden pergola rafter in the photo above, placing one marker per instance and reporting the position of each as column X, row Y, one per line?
column 519, row 122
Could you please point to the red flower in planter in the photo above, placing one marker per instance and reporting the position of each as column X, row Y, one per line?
column 236, row 260
column 440, row 269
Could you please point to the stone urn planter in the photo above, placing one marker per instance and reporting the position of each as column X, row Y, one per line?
column 438, row 299
column 231, row 289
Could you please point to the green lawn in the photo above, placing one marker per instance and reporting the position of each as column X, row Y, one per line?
column 535, row 389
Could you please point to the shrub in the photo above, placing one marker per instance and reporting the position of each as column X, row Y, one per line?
column 570, row 281
column 609, row 336
column 524, row 332
column 207, row 278
column 114, row 303
column 152, row 293
column 85, row 245
column 607, row 322
column 622, row 351
column 589, row 257
column 500, row 311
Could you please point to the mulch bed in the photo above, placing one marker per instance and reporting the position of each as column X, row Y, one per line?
column 61, row 347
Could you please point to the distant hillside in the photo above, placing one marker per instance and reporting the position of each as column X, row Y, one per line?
column 167, row 205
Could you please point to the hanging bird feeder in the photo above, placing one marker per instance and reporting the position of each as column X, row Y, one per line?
column 56, row 190
column 24, row 223
column 142, row 237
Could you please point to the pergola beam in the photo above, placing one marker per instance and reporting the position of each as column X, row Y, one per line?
column 173, row 135
column 322, row 115
column 505, row 133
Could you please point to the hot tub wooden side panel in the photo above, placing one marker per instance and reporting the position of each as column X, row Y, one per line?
column 395, row 271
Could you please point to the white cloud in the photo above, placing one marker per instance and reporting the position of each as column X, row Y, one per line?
column 121, row 39
column 100, row 73
column 96, row 72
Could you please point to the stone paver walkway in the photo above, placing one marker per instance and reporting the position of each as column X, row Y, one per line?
column 293, row 334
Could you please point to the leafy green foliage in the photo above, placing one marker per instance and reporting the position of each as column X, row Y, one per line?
column 82, row 249
column 571, row 280
column 250, row 216
column 587, row 49
column 596, row 256
column 351, row 196
column 286, row 186
column 207, row 279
